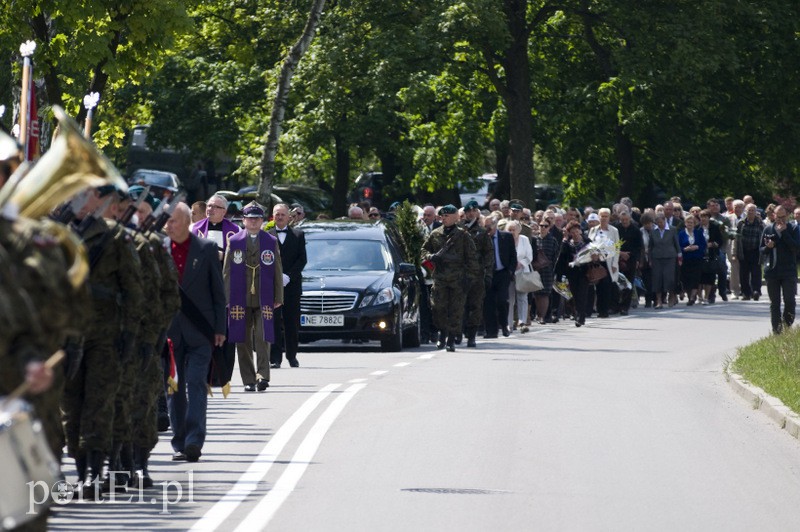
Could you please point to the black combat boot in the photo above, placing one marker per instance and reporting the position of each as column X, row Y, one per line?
column 127, row 465
column 115, row 468
column 92, row 488
column 451, row 342
column 471, row 337
column 440, row 343
column 80, row 466
column 142, row 479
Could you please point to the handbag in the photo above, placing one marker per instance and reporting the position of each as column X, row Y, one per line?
column 596, row 273
column 541, row 262
column 528, row 281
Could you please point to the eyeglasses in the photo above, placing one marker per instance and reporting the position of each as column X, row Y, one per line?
column 214, row 207
column 374, row 215
column 544, row 225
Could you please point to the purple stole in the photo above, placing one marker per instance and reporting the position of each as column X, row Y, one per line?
column 237, row 251
column 228, row 230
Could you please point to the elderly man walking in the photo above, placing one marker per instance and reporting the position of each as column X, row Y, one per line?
column 779, row 246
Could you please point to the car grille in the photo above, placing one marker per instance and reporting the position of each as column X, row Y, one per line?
column 321, row 302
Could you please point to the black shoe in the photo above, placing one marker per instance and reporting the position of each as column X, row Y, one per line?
column 192, row 453
column 506, row 332
column 274, row 365
column 163, row 423
column 451, row 343
column 142, row 481
column 179, row 456
column 262, row 385
column 458, row 339
column 756, row 296
column 249, row 387
column 490, row 336
column 623, row 312
column 471, row 342
column 578, row 323
column 723, row 297
column 745, row 298
column 294, row 363
column 440, row 343
column 603, row 315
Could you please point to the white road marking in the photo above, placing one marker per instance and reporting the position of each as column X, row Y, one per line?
column 402, row 364
column 381, row 372
column 354, row 381
column 248, row 482
column 265, row 510
column 427, row 356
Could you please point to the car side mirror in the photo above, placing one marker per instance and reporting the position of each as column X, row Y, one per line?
column 405, row 268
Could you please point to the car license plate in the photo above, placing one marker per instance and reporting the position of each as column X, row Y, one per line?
column 322, row 320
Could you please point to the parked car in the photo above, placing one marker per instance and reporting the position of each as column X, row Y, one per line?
column 378, row 190
column 313, row 200
column 479, row 190
column 358, row 285
column 162, row 184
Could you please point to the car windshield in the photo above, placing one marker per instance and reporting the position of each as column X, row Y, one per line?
column 332, row 254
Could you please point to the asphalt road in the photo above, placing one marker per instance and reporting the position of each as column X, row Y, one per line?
column 624, row 424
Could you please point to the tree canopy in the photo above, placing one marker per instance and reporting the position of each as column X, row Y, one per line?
column 614, row 97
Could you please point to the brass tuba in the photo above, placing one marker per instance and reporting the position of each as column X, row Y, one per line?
column 70, row 165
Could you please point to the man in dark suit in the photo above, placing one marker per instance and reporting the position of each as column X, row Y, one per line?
column 197, row 328
column 495, row 305
column 292, row 244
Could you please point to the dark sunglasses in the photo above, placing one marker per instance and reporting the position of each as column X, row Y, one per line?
column 374, row 215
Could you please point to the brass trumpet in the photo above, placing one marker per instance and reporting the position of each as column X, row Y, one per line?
column 70, row 165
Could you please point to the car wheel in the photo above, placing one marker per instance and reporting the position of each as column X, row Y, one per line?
column 412, row 336
column 394, row 342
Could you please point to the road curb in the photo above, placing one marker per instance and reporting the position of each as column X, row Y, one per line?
column 773, row 407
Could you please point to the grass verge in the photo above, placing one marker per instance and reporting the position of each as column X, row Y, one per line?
column 773, row 363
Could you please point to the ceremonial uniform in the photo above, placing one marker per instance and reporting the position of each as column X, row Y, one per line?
column 452, row 253
column 115, row 286
column 480, row 275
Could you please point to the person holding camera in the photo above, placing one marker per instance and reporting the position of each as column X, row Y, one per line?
column 779, row 246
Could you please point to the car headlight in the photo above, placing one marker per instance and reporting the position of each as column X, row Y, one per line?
column 384, row 296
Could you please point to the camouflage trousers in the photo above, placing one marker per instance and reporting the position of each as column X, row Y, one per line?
column 447, row 306
column 473, row 313
column 130, row 378
column 144, row 415
column 88, row 402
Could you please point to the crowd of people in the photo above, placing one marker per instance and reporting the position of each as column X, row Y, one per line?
column 600, row 262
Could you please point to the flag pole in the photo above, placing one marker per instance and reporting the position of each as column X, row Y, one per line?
column 90, row 102
column 26, row 49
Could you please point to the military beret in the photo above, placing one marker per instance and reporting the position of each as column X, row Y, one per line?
column 471, row 204
column 516, row 207
column 448, row 209
column 252, row 210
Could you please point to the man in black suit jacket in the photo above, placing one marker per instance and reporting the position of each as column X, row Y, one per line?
column 495, row 304
column 195, row 330
column 292, row 245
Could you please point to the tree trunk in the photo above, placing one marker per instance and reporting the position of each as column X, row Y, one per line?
column 281, row 97
column 517, row 98
column 625, row 153
column 342, row 179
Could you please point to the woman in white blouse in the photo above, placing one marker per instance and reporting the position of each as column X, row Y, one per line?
column 524, row 258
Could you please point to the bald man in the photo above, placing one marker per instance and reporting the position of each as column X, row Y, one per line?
column 199, row 326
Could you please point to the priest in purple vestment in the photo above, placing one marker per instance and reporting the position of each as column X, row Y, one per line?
column 254, row 288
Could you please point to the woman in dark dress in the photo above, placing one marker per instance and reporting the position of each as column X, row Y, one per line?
column 712, row 262
column 693, row 246
column 576, row 275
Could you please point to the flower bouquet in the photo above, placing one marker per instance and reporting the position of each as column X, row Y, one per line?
column 605, row 249
column 562, row 289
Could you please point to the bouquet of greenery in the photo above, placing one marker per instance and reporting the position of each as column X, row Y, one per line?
column 407, row 222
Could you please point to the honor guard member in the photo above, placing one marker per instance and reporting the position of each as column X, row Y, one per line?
column 131, row 399
column 480, row 272
column 152, row 390
column 254, row 289
column 42, row 275
column 451, row 252
column 115, row 287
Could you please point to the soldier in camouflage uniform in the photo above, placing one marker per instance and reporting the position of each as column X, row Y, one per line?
column 452, row 253
column 151, row 385
column 480, row 273
column 130, row 400
column 41, row 303
column 116, row 289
